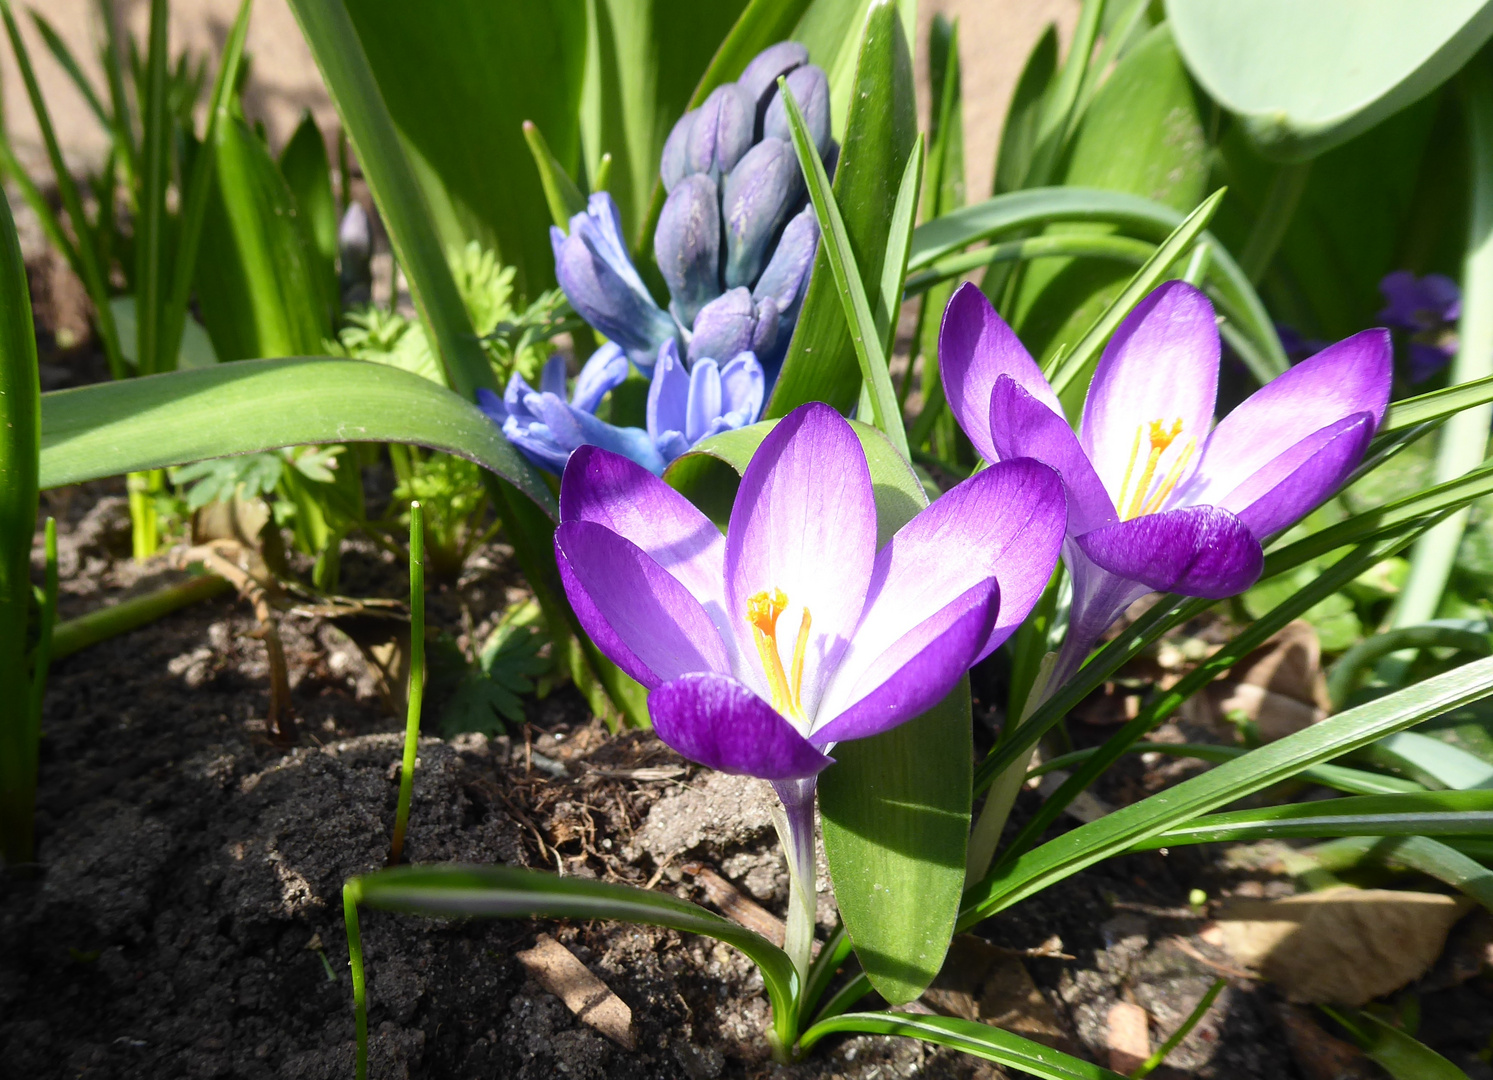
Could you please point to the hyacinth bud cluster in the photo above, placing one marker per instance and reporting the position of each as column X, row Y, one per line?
column 735, row 244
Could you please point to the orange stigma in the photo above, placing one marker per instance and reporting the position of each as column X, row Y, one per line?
column 1142, row 500
column 763, row 609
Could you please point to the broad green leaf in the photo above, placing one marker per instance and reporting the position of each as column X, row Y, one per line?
column 196, row 349
column 1303, row 78
column 1134, row 824
column 643, row 61
column 1019, row 134
column 308, row 172
column 821, row 362
column 1141, row 134
column 185, row 416
column 258, row 284
column 455, row 891
column 895, row 808
column 969, row 1037
column 20, row 434
column 459, row 78
column 832, row 31
column 1402, row 1056
column 1423, row 813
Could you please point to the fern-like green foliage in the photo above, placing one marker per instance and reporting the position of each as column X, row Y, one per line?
column 485, row 695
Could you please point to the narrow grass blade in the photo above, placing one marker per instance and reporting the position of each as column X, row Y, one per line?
column 1059, row 116
column 1402, row 1056
column 69, row 63
column 41, row 657
column 898, row 242
column 150, row 221
column 864, row 331
column 95, row 278
column 20, row 441
column 831, row 957
column 1134, row 824
column 969, row 1037
column 1119, row 248
column 1153, row 273
column 51, row 225
column 1436, row 405
column 560, row 193
column 1433, row 763
column 1343, row 675
column 113, row 56
column 251, row 405
column 417, row 681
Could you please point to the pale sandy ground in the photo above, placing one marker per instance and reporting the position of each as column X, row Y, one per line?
column 996, row 35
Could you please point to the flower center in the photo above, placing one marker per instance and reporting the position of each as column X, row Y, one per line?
column 1143, row 500
column 763, row 609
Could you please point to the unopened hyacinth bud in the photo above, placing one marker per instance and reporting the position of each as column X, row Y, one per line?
column 787, row 275
column 721, row 132
column 355, row 254
column 810, row 88
column 757, row 197
column 687, row 406
column 672, row 167
column 733, row 323
column 687, row 246
column 760, row 78
column 601, row 283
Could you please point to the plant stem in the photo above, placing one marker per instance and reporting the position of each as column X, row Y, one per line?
column 142, row 487
column 1274, row 218
column 417, row 679
column 123, row 617
column 1464, row 438
column 796, row 831
column 350, row 895
column 41, row 658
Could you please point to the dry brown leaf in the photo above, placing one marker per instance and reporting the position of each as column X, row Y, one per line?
column 556, row 968
column 982, row 982
column 1319, row 1055
column 1275, row 715
column 1341, row 946
column 1288, row 663
column 1129, row 1037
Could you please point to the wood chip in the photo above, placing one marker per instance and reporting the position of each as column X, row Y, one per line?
column 556, row 968
column 1129, row 1037
column 736, row 907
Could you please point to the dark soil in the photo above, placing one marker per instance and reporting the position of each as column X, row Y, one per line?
column 185, row 915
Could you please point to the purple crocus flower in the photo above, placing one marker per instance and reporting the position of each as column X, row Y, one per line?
column 763, row 648
column 687, row 406
column 1427, row 310
column 548, row 429
column 1156, row 500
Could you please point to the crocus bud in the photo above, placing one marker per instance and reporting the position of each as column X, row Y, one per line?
column 685, row 407
column 760, row 79
column 687, row 245
column 787, row 275
column 757, row 198
column 810, row 88
column 721, row 132
column 355, row 253
column 671, row 167
column 730, row 324
column 602, row 285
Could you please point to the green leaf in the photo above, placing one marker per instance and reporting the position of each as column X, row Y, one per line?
column 150, row 198
column 20, row 433
column 821, row 362
column 258, row 285
column 869, row 332
column 1432, row 857
column 969, row 1037
column 1019, row 134
column 1304, row 78
column 1402, row 1056
column 455, row 891
column 561, row 195
column 458, row 79
column 1436, row 405
column 1432, row 762
column 195, row 349
column 895, row 807
column 183, row 416
column 1131, row 825
column 308, row 172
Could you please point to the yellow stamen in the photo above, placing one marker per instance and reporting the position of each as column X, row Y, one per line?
column 1160, row 439
column 1172, row 477
column 763, row 610
column 1130, row 467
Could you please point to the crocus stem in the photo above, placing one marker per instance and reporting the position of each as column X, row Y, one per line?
column 1002, row 794
column 350, row 896
column 1464, row 438
column 796, row 830
column 417, row 680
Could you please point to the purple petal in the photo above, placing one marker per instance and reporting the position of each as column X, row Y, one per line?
column 646, row 608
column 1023, row 427
column 668, row 393
column 915, row 673
column 716, row 721
column 672, row 167
column 607, row 368
column 1005, row 523
column 804, row 522
column 704, row 403
column 491, row 405
column 609, row 490
column 1161, row 366
column 552, row 377
column 1292, row 485
column 1350, row 377
column 976, row 347
column 687, row 245
column 759, row 79
column 742, row 387
column 1195, row 551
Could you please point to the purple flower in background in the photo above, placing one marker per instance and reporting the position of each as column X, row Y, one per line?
column 1427, row 310
column 548, row 429
column 687, row 406
column 763, row 648
column 1156, row 500
column 601, row 283
column 1296, row 347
